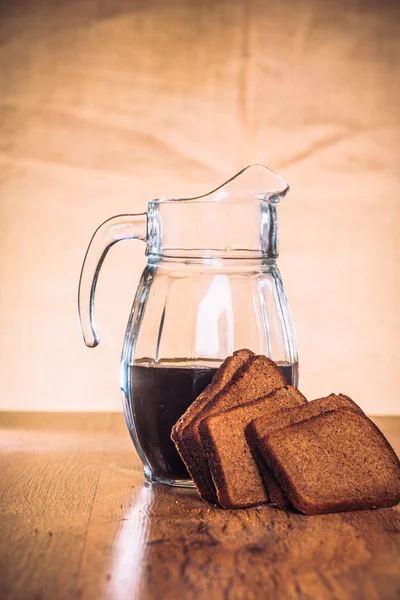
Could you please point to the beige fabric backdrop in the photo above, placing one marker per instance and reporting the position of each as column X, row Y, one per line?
column 107, row 104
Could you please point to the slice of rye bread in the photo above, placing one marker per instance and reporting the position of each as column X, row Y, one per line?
column 220, row 379
column 257, row 377
column 259, row 428
column 333, row 462
column 233, row 469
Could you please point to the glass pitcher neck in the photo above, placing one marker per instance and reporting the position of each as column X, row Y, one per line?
column 238, row 219
column 214, row 230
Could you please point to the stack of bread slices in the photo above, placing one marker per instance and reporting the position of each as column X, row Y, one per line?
column 250, row 438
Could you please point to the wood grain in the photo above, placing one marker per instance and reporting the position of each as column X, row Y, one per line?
column 78, row 521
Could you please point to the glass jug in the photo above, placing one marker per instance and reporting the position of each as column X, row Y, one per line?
column 211, row 286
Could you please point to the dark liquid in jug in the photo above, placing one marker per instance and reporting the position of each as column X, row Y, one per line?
column 159, row 396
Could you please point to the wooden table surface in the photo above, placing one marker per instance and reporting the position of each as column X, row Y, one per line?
column 78, row 521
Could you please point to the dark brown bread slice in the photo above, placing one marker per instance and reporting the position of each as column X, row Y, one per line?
column 259, row 428
column 233, row 469
column 333, row 462
column 220, row 379
column 257, row 377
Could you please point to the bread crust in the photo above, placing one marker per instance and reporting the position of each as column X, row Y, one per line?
column 259, row 428
column 333, row 462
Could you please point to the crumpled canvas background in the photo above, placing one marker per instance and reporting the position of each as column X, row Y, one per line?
column 106, row 104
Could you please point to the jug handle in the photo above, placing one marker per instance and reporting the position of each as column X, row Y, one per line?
column 115, row 229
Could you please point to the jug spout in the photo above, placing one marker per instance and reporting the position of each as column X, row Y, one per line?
column 254, row 182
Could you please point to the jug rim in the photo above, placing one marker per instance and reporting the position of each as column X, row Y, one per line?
column 269, row 197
